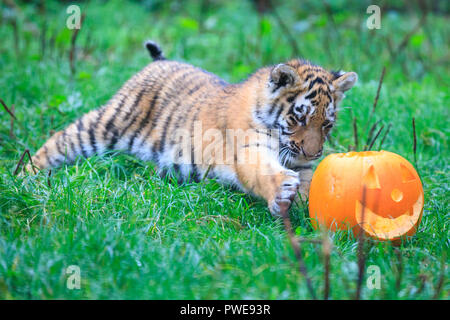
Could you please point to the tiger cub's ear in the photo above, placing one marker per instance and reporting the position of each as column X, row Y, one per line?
column 283, row 76
column 345, row 81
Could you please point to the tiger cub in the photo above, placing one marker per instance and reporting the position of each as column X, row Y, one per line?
column 259, row 135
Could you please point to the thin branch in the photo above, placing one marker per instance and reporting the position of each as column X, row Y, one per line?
column 206, row 173
column 384, row 136
column 361, row 255
column 414, row 140
column 375, row 103
column 43, row 41
column 375, row 138
column 308, row 240
column 26, row 152
column 72, row 45
column 16, row 36
column 11, row 126
column 297, row 251
column 334, row 28
column 423, row 280
column 380, row 83
column 408, row 36
column 355, row 133
column 439, row 287
column 371, row 131
column 398, row 281
column 285, row 29
column 326, row 250
column 7, row 109
column 49, row 183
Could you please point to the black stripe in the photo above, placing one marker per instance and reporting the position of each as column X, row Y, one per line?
column 168, row 120
column 92, row 127
column 80, row 127
column 308, row 76
column 110, row 124
column 291, row 109
column 144, row 122
column 58, row 147
column 186, row 109
column 46, row 154
column 146, row 119
column 171, row 97
column 311, row 95
column 278, row 114
column 316, row 80
column 136, row 101
column 272, row 109
column 195, row 173
column 114, row 139
column 115, row 132
column 292, row 98
column 72, row 147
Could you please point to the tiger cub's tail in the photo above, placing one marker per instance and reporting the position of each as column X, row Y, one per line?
column 84, row 138
column 155, row 50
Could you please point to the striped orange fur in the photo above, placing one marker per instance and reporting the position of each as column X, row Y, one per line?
column 163, row 113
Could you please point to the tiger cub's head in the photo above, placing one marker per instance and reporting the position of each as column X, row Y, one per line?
column 302, row 103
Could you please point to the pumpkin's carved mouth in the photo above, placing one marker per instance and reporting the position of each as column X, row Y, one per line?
column 391, row 227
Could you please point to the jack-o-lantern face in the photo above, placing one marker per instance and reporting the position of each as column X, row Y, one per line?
column 393, row 194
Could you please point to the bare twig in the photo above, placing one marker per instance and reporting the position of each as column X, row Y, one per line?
column 206, row 173
column 408, row 36
column 297, row 251
column 326, row 250
column 414, row 141
column 440, row 283
column 285, row 29
column 7, row 109
column 72, row 45
column 380, row 83
column 398, row 281
column 361, row 255
column 26, row 152
column 370, row 135
column 308, row 240
column 375, row 138
column 375, row 103
column 355, row 133
column 43, row 38
column 11, row 128
column 384, row 136
column 52, row 120
column 334, row 29
column 16, row 36
column 49, row 183
column 423, row 280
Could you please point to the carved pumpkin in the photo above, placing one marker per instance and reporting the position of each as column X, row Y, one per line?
column 394, row 194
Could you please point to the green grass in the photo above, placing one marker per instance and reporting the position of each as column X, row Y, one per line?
column 136, row 235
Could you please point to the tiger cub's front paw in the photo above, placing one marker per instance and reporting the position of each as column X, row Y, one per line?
column 282, row 201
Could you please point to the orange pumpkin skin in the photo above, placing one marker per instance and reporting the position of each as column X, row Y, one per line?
column 394, row 194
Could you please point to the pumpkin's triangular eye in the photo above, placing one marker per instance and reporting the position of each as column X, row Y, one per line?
column 407, row 175
column 371, row 179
